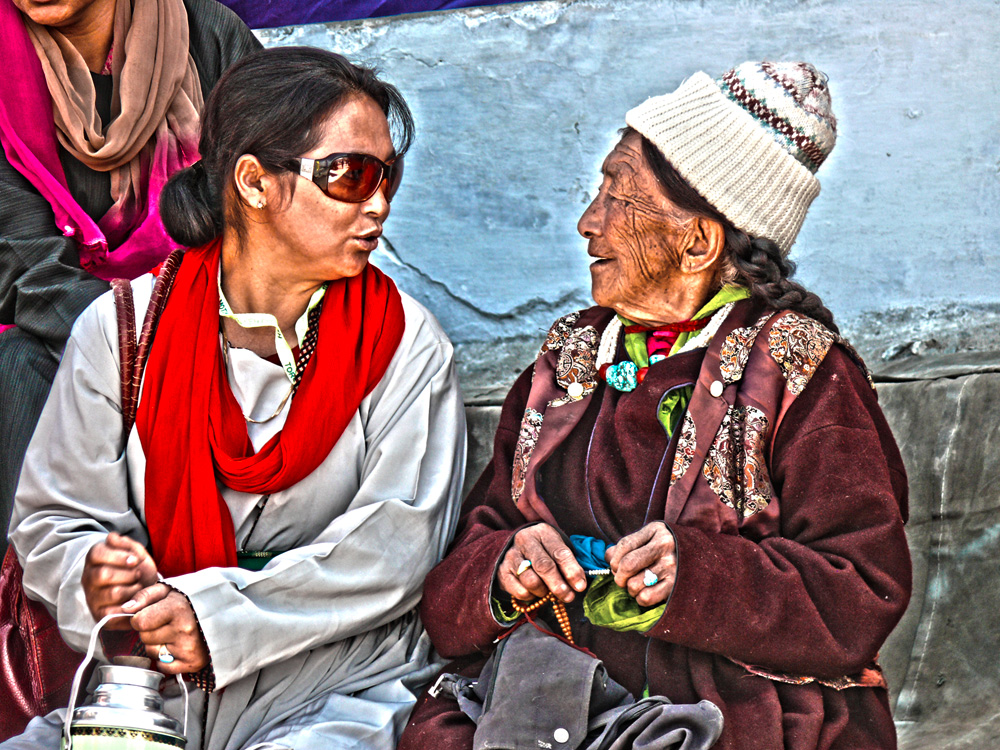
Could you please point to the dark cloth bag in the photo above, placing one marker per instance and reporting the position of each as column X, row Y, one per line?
column 36, row 665
column 538, row 692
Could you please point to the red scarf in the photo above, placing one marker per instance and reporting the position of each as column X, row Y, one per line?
column 192, row 428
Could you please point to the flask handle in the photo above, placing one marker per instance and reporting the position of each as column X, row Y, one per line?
column 78, row 678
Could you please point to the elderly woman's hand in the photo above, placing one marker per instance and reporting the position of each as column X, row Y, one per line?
column 650, row 548
column 163, row 617
column 114, row 571
column 553, row 566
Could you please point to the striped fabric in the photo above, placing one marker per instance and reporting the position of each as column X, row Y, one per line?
column 26, row 372
column 792, row 101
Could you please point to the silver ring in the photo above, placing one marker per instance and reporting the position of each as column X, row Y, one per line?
column 164, row 655
column 649, row 578
column 525, row 564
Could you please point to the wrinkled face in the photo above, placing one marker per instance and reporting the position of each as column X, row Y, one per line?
column 63, row 13
column 634, row 233
column 324, row 239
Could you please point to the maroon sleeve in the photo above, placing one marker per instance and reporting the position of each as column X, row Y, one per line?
column 456, row 607
column 820, row 598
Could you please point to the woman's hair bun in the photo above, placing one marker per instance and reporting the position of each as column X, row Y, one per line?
column 190, row 209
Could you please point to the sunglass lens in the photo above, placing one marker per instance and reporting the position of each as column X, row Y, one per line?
column 394, row 177
column 353, row 178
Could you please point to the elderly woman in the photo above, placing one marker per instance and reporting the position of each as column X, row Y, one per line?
column 99, row 105
column 299, row 441
column 708, row 434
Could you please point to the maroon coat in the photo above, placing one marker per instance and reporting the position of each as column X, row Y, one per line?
column 805, row 587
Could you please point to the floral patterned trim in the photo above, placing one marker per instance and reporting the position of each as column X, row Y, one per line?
column 735, row 352
column 735, row 467
column 576, row 368
column 870, row 676
column 798, row 344
column 559, row 332
column 684, row 454
column 527, row 439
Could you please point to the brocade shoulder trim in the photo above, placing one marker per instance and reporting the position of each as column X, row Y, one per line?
column 567, row 364
column 559, row 332
column 798, row 345
column 735, row 464
column 527, row 439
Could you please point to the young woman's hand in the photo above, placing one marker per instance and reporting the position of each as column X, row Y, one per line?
column 553, row 566
column 163, row 617
column 650, row 548
column 114, row 571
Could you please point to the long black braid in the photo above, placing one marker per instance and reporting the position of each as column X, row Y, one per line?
column 754, row 262
column 758, row 264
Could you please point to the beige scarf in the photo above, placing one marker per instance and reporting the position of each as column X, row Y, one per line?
column 155, row 107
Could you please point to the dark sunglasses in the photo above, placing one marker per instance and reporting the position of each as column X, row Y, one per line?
column 352, row 178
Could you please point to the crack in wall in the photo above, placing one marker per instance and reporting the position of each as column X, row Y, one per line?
column 535, row 305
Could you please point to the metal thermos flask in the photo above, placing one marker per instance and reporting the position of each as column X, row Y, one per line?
column 125, row 713
column 126, row 710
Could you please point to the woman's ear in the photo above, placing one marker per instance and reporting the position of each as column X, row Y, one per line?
column 705, row 243
column 252, row 182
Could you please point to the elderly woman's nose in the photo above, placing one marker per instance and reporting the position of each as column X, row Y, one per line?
column 590, row 224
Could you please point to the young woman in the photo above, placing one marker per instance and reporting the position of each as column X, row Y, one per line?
column 299, row 443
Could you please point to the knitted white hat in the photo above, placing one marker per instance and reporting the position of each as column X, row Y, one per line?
column 748, row 142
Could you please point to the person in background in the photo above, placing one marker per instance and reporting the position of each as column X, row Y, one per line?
column 698, row 467
column 99, row 104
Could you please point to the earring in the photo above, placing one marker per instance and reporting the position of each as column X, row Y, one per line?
column 260, row 203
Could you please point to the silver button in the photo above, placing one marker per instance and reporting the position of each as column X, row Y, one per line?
column 716, row 388
column 560, row 735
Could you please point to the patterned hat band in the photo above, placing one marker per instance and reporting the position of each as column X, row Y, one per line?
column 748, row 142
column 796, row 142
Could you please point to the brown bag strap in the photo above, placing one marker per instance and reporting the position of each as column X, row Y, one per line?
column 125, row 310
column 133, row 354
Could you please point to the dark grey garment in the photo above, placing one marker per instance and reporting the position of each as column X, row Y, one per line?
column 658, row 724
column 42, row 286
column 26, row 372
column 536, row 691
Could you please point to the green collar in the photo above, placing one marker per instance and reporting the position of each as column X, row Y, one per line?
column 635, row 343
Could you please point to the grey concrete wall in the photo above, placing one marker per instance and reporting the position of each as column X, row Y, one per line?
column 517, row 105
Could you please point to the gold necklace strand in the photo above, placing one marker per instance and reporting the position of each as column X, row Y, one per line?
column 251, row 420
column 305, row 355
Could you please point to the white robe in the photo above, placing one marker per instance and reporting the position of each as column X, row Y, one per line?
column 322, row 648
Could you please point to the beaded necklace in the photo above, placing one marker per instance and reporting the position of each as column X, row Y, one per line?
column 627, row 375
column 562, row 616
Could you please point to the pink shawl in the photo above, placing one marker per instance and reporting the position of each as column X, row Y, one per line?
column 28, row 136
